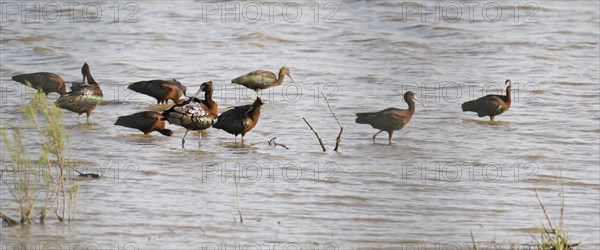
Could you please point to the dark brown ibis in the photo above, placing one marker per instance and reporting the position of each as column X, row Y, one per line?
column 490, row 105
column 145, row 121
column 162, row 90
column 262, row 79
column 390, row 119
column 194, row 114
column 43, row 81
column 83, row 98
column 240, row 119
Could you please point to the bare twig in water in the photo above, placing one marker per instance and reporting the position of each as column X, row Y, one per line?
column 237, row 194
column 6, row 219
column 272, row 142
column 316, row 134
column 338, row 140
column 537, row 194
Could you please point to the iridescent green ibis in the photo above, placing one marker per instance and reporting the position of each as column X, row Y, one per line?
column 194, row 114
column 490, row 105
column 145, row 121
column 83, row 98
column 240, row 119
column 162, row 90
column 391, row 119
column 262, row 79
column 43, row 81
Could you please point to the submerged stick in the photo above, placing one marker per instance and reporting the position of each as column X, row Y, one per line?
column 338, row 140
column 316, row 134
column 237, row 194
column 272, row 142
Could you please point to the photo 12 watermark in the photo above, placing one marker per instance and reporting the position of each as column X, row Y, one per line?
column 67, row 245
column 270, row 172
column 471, row 11
column 269, row 12
column 69, row 11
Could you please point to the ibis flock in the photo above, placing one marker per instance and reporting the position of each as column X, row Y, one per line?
column 197, row 114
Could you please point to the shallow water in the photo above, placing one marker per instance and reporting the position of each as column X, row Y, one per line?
column 447, row 174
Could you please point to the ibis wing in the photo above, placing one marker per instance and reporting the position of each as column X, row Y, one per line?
column 387, row 119
column 233, row 120
column 80, row 100
column 154, row 88
column 258, row 79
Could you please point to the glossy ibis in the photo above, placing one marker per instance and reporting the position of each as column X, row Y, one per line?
column 162, row 90
column 43, row 81
column 240, row 119
column 145, row 121
column 390, row 119
column 490, row 105
column 262, row 79
column 194, row 114
column 83, row 98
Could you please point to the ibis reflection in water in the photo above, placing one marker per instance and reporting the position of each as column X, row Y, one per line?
column 240, row 119
column 145, row 121
column 391, row 119
column 162, row 90
column 490, row 105
column 83, row 98
column 194, row 114
column 261, row 79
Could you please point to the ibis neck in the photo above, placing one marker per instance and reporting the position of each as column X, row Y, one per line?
column 508, row 95
column 208, row 97
column 280, row 77
column 89, row 77
column 411, row 105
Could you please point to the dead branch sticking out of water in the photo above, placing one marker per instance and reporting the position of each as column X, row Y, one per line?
column 272, row 142
column 6, row 219
column 316, row 134
column 338, row 140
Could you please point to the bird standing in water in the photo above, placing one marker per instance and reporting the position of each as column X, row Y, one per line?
column 43, row 81
column 262, row 79
column 145, row 121
column 162, row 90
column 240, row 119
column 490, row 105
column 83, row 98
column 194, row 114
column 390, row 119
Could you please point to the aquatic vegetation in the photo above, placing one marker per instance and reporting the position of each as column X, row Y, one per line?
column 46, row 176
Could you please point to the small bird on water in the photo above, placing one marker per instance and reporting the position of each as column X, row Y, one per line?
column 145, row 121
column 83, row 98
column 44, row 82
column 240, row 119
column 390, row 119
column 261, row 79
column 490, row 105
column 194, row 114
column 162, row 90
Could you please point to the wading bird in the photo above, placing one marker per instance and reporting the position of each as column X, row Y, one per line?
column 162, row 90
column 240, row 119
column 83, row 98
column 43, row 81
column 490, row 105
column 145, row 121
column 194, row 114
column 262, row 79
column 390, row 119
